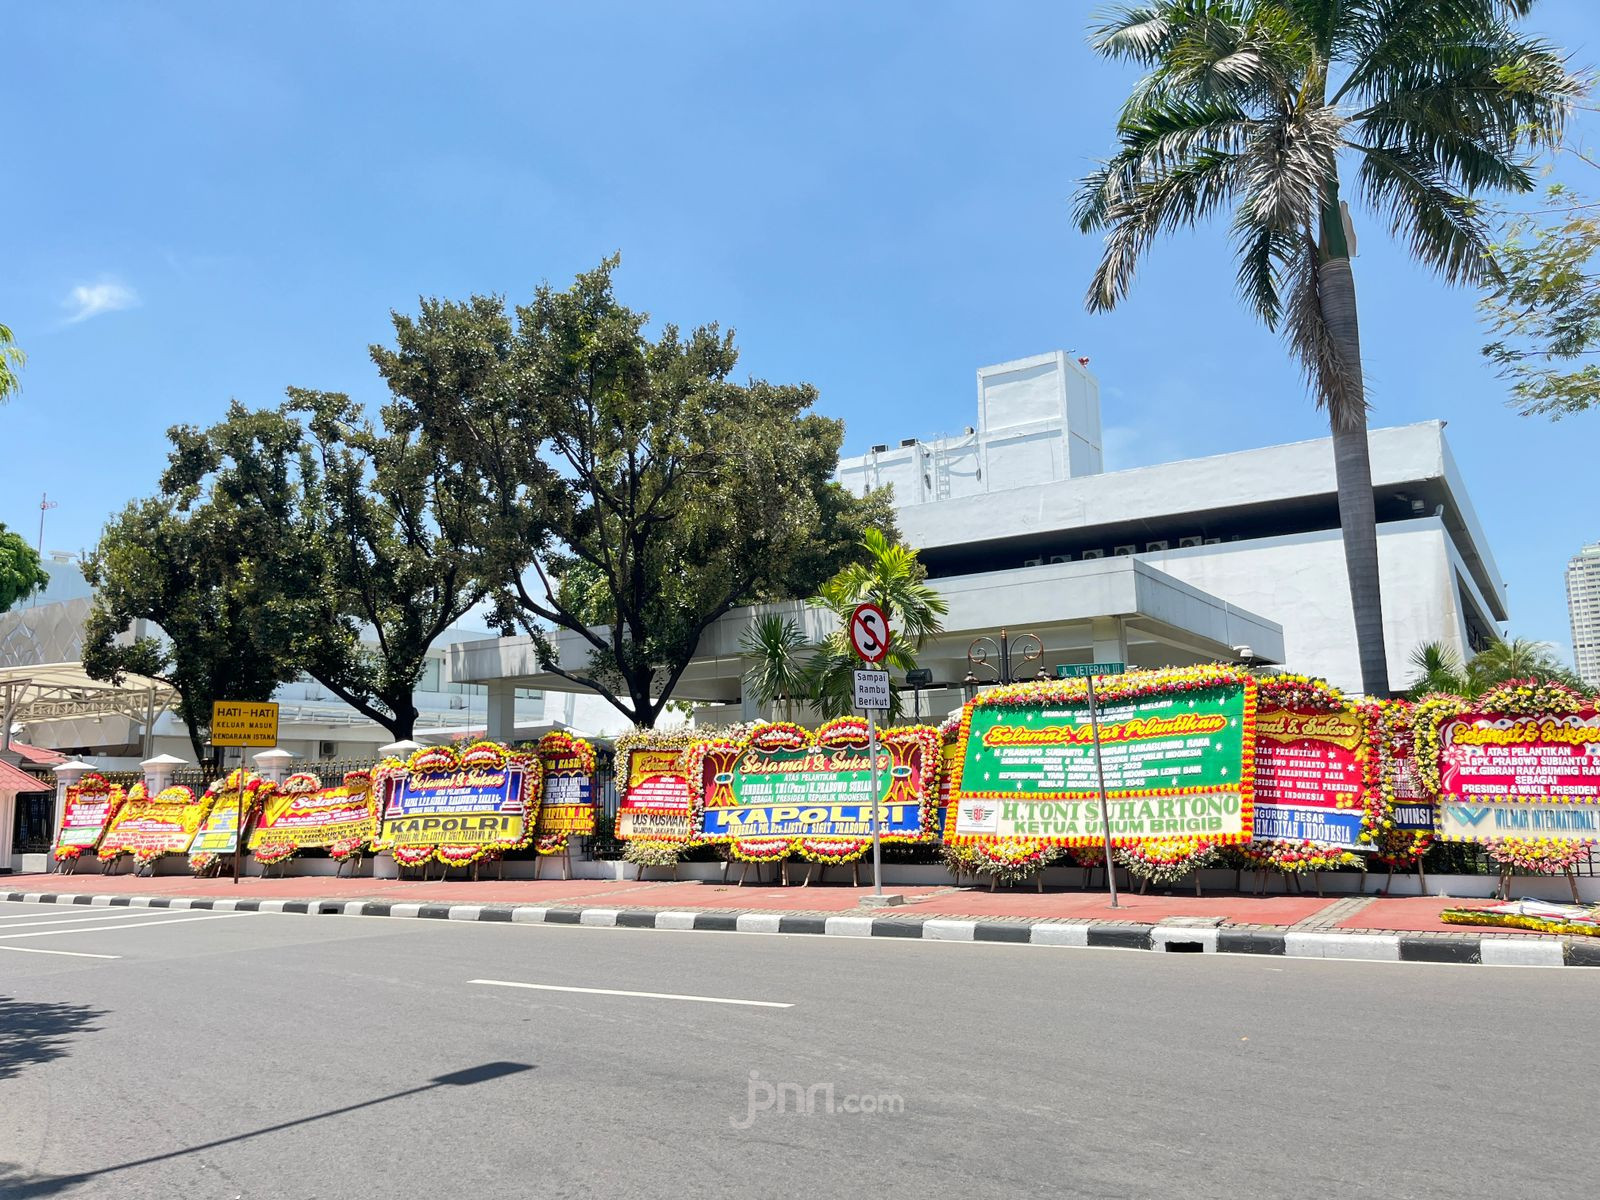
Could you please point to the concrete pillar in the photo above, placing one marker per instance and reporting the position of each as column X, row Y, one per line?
column 158, row 772
column 502, row 712
column 67, row 774
column 1110, row 640
column 273, row 765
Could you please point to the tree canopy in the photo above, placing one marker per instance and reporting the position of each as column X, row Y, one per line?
column 12, row 360
column 633, row 491
column 227, row 632
column 20, row 573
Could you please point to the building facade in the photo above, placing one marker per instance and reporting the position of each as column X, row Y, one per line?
column 1583, row 608
column 1234, row 557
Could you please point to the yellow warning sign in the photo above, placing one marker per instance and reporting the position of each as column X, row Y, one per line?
column 244, row 723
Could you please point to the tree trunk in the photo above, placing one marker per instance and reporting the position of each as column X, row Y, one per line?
column 1336, row 289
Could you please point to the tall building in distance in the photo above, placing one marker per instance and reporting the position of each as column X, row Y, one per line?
column 1583, row 606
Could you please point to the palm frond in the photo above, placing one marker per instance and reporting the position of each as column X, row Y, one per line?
column 1439, row 226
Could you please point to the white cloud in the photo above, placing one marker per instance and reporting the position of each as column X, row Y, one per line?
column 91, row 299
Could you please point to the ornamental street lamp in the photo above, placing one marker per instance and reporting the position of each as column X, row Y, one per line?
column 1010, row 658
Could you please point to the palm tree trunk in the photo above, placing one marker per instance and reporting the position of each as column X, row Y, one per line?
column 1336, row 289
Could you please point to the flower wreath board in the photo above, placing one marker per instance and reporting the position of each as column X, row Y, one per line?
column 1312, row 752
column 150, row 828
column 458, row 806
column 1517, row 770
column 787, row 789
column 654, row 805
column 304, row 815
column 569, row 795
column 90, row 804
column 1177, row 746
column 219, row 832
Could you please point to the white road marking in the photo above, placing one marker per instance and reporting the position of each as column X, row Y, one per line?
column 550, row 987
column 119, row 928
column 63, row 953
column 78, row 919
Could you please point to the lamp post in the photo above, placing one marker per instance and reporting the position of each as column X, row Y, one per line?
column 1007, row 663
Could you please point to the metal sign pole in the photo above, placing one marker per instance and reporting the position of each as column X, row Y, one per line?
column 877, row 848
column 238, row 829
column 1100, row 773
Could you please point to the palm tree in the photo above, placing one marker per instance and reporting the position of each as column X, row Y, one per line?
column 1518, row 658
column 777, row 674
column 891, row 577
column 1265, row 107
column 12, row 359
column 1437, row 668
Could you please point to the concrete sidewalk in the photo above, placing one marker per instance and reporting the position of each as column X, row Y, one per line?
column 1366, row 927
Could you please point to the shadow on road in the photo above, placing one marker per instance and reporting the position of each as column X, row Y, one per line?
column 18, row 1184
column 36, row 1032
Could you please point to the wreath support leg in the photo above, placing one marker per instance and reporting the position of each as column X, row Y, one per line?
column 1505, row 883
column 1422, row 879
column 1572, row 878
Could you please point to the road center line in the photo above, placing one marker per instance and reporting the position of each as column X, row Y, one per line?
column 551, row 987
column 63, row 953
column 119, row 928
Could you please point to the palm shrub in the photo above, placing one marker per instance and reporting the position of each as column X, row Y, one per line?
column 890, row 576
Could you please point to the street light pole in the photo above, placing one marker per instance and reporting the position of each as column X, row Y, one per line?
column 1005, row 668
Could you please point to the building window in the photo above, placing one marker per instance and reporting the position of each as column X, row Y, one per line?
column 430, row 676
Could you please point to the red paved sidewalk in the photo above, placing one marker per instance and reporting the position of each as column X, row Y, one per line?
column 1400, row 914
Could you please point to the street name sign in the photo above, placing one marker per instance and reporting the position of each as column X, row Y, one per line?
column 1089, row 670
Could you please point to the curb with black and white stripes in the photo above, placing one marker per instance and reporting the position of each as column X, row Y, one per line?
column 1517, row 950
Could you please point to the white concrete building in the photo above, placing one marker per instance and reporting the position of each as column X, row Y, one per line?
column 1583, row 607
column 1021, row 529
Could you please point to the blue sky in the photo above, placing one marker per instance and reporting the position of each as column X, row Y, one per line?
column 205, row 202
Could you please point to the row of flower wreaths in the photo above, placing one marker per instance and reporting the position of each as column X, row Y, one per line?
column 357, row 792
column 1398, row 759
column 1399, row 737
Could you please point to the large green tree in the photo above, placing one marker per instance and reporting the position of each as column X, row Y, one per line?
column 225, row 633
column 1276, row 111
column 20, row 573
column 633, row 491
column 361, row 538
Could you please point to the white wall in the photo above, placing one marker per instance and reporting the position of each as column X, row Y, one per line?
column 1299, row 581
column 1038, row 420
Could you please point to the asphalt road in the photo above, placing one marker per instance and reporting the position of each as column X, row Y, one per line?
column 265, row 1055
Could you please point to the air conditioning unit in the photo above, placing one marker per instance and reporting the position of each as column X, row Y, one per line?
column 327, row 749
column 1060, row 558
column 1088, row 554
column 1033, row 562
column 458, row 701
column 1125, row 551
column 1152, row 547
column 1185, row 543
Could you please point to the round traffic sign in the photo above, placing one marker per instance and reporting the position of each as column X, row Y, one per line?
column 869, row 632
